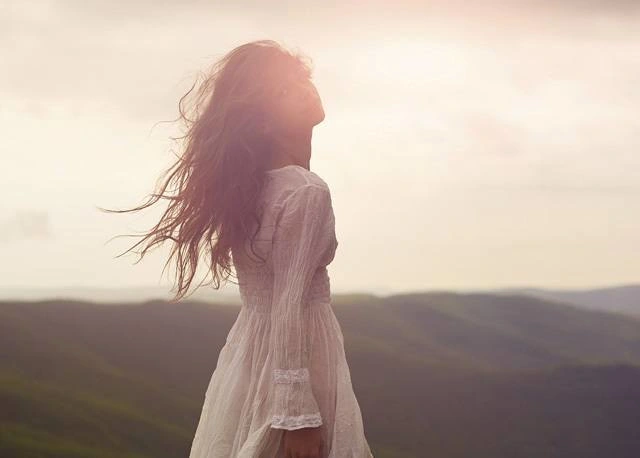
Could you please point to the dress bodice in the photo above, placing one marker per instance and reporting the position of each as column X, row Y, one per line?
column 281, row 205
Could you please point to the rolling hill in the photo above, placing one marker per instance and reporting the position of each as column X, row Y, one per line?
column 436, row 374
column 618, row 299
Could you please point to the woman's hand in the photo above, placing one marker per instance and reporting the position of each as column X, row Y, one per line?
column 304, row 443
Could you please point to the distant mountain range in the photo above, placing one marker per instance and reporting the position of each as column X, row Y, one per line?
column 619, row 299
column 437, row 374
column 114, row 295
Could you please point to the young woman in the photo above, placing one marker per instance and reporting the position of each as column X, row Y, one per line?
column 281, row 386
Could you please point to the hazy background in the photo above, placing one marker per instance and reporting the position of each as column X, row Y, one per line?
column 491, row 147
column 466, row 147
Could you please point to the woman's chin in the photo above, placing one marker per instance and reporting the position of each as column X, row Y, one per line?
column 318, row 115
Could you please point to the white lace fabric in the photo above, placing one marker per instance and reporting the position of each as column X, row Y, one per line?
column 301, row 421
column 283, row 366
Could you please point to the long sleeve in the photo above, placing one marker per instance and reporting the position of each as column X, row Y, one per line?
column 302, row 235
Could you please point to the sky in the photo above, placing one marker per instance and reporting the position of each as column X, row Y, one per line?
column 484, row 146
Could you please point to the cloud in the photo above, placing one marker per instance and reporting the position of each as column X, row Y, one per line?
column 26, row 225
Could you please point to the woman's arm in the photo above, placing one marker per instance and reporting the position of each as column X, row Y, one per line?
column 303, row 233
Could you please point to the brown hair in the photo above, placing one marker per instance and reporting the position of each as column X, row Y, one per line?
column 219, row 175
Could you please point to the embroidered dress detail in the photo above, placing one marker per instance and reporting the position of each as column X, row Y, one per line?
column 301, row 421
column 291, row 375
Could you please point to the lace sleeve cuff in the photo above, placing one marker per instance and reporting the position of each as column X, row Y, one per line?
column 291, row 375
column 295, row 405
column 311, row 420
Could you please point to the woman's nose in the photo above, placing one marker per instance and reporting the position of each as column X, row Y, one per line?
column 310, row 91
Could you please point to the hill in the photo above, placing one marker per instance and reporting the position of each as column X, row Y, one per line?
column 618, row 299
column 436, row 374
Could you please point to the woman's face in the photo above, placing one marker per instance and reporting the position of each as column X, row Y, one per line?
column 295, row 105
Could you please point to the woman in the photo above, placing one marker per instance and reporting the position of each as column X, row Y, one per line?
column 281, row 386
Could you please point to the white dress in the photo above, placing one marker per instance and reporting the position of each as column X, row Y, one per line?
column 283, row 365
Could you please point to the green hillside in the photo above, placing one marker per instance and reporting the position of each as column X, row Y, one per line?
column 436, row 374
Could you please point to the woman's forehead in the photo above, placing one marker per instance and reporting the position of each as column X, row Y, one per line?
column 287, row 67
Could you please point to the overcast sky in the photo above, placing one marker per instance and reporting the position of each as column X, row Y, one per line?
column 465, row 147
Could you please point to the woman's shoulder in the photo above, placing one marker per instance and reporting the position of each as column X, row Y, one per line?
column 314, row 191
column 294, row 174
column 299, row 182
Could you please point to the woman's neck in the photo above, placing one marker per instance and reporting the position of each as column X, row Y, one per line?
column 292, row 150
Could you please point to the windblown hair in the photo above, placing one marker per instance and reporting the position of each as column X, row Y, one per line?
column 218, row 177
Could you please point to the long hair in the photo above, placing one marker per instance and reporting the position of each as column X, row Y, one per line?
column 219, row 175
